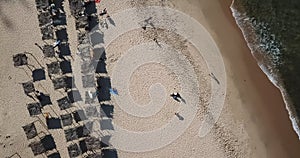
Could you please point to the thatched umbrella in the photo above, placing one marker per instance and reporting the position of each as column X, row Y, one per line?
column 37, row 148
column 94, row 155
column 67, row 119
column 20, row 59
column 28, row 87
column 54, row 68
column 34, row 109
column 74, row 150
column 42, row 4
column 47, row 33
column 92, row 143
column 91, row 111
column 70, row 134
column 64, row 103
column 48, row 51
column 59, row 83
column 30, row 130
column 44, row 18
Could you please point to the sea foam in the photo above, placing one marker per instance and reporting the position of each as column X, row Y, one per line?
column 268, row 61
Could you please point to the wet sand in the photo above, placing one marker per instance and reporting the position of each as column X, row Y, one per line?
column 268, row 122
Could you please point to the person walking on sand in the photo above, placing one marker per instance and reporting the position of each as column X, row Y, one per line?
column 56, row 43
column 104, row 12
column 176, row 96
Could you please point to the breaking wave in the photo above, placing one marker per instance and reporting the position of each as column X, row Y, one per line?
column 266, row 49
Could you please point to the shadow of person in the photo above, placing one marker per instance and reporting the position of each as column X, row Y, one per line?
column 175, row 97
column 179, row 116
column 183, row 100
column 44, row 99
column 111, row 21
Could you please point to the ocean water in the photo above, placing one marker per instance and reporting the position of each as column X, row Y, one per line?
column 272, row 31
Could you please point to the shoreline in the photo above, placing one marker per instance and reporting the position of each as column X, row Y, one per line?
column 249, row 35
column 266, row 117
column 288, row 118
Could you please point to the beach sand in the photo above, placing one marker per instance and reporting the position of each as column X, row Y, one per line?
column 253, row 122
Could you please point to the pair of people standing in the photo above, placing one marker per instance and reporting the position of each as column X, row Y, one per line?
column 176, row 96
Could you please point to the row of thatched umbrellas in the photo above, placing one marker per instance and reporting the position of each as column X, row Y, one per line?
column 46, row 143
column 83, row 14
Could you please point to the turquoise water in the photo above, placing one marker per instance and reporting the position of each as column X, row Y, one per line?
column 276, row 25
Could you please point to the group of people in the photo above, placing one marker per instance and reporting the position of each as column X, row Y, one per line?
column 177, row 97
column 104, row 12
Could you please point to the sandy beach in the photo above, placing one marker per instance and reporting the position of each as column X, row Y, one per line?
column 156, row 62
